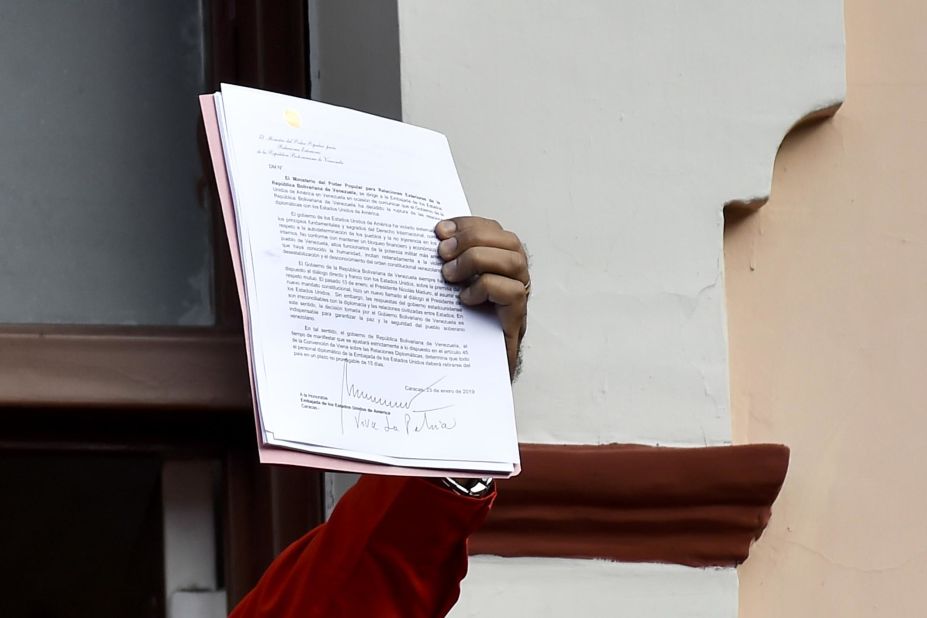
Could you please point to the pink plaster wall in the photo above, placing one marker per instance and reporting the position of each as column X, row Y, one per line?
column 827, row 295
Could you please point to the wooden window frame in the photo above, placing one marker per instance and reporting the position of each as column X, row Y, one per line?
column 86, row 372
column 253, row 43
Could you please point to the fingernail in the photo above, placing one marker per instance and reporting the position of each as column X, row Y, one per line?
column 465, row 293
column 446, row 227
column 449, row 269
column 447, row 247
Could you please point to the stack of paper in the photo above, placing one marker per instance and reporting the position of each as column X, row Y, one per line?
column 361, row 356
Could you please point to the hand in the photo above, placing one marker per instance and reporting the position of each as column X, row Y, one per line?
column 492, row 265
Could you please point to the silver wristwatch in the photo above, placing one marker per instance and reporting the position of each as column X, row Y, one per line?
column 473, row 488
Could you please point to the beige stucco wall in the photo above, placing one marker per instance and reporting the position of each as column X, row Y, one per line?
column 827, row 293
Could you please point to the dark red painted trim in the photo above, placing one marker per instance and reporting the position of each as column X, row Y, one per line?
column 692, row 506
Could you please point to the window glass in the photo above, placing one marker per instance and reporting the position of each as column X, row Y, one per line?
column 102, row 212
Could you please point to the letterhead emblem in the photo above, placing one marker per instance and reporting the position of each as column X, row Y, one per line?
column 292, row 118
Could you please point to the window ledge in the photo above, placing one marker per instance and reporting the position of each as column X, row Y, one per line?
column 126, row 367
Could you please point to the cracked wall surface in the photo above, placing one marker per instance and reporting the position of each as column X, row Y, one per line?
column 610, row 135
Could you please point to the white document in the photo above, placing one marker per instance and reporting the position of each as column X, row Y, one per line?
column 360, row 350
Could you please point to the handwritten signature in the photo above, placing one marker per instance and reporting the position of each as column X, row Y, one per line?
column 416, row 420
column 423, row 423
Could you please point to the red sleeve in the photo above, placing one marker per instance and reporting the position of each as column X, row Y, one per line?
column 393, row 547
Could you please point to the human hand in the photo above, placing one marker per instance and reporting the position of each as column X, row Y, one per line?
column 492, row 265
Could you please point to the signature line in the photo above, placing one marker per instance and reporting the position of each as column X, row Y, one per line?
column 351, row 390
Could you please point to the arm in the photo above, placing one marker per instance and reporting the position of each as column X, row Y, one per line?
column 393, row 547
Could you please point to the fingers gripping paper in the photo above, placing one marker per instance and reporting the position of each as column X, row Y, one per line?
column 361, row 357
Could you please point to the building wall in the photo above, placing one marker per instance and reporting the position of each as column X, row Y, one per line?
column 827, row 298
column 549, row 124
column 610, row 135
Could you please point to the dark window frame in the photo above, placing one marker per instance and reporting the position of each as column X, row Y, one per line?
column 179, row 375
column 252, row 43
